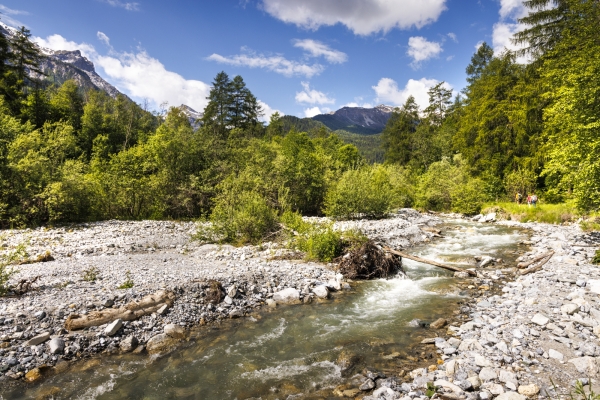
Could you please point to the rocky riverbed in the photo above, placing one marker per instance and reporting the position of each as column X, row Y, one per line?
column 103, row 268
column 535, row 338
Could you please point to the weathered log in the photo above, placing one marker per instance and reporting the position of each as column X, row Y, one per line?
column 526, row 264
column 430, row 262
column 537, row 267
column 132, row 311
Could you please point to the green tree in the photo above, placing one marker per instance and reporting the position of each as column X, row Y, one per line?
column 397, row 136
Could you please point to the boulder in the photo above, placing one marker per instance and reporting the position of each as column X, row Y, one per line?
column 287, row 296
column 159, row 343
column 175, row 331
column 321, row 291
column 128, row 344
column 56, row 346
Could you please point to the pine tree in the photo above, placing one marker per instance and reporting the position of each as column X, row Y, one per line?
column 479, row 61
column 397, row 135
column 25, row 57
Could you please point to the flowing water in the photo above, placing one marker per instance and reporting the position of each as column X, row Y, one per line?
column 297, row 351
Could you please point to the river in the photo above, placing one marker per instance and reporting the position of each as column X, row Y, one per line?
column 298, row 351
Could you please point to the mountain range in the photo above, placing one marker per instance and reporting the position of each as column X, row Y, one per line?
column 364, row 121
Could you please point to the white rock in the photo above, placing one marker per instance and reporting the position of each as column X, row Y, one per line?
column 448, row 385
column 163, row 309
column 511, row 396
column 569, row 309
column 586, row 365
column 594, row 286
column 113, row 327
column 287, row 296
column 175, row 331
column 56, row 346
column 540, row 319
column 487, row 374
column 321, row 291
column 555, row 354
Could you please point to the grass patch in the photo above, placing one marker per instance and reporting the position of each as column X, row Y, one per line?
column 128, row 284
column 549, row 213
column 596, row 259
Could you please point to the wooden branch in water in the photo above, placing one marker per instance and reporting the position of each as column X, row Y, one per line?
column 430, row 262
column 537, row 267
column 526, row 264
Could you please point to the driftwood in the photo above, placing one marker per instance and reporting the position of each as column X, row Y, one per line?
column 134, row 310
column 24, row 286
column 370, row 261
column 526, row 264
column 430, row 262
column 537, row 267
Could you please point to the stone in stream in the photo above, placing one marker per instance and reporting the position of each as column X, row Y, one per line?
column 287, row 296
column 41, row 338
column 438, row 323
column 175, row 331
column 128, row 344
column 321, row 291
column 367, row 385
column 159, row 343
column 113, row 327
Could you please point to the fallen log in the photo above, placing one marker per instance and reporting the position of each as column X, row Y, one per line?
column 526, row 264
column 132, row 311
column 537, row 267
column 430, row 262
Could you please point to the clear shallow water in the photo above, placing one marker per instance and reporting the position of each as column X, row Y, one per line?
column 296, row 350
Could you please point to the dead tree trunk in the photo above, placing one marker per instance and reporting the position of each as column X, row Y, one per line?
column 129, row 312
column 526, row 264
column 537, row 267
column 430, row 262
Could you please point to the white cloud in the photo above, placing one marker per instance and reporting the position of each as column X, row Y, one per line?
column 363, row 17
column 420, row 49
column 452, row 36
column 268, row 111
column 512, row 9
column 355, row 104
column 103, row 38
column 317, row 49
column 57, row 42
column 311, row 96
column 138, row 75
column 7, row 16
column 478, row 44
column 277, row 64
column 450, row 58
column 121, row 4
column 311, row 112
column 387, row 91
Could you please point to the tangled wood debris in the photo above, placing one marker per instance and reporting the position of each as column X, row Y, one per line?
column 532, row 266
column 370, row 261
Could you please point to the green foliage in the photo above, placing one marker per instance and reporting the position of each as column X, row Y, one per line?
column 319, row 241
column 596, row 259
column 6, row 262
column 369, row 146
column 549, row 213
column 365, row 192
column 520, row 181
column 242, row 217
column 128, row 283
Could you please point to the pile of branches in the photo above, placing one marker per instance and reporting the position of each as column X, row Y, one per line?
column 370, row 261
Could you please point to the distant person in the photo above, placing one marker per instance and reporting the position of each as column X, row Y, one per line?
column 534, row 199
column 529, row 200
column 518, row 198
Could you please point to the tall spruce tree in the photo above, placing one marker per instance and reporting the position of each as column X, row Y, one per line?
column 397, row 135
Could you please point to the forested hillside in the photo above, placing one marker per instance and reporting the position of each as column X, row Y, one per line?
column 71, row 154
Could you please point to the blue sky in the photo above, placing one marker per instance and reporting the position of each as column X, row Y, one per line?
column 299, row 57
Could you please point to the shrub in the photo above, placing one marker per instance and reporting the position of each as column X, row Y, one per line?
column 6, row 269
column 242, row 217
column 365, row 192
column 468, row 198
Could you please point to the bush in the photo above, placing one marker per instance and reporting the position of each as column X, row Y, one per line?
column 366, row 192
column 468, row 198
column 242, row 217
column 6, row 269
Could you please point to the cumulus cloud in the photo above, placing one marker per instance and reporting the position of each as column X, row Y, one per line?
column 277, row 63
column 268, row 111
column 420, row 49
column 311, row 112
column 318, row 49
column 453, row 36
column 312, row 96
column 122, row 4
column 363, row 17
column 503, row 31
column 8, row 16
column 388, row 92
column 137, row 74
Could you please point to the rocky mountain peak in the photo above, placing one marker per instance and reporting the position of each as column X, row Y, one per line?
column 361, row 120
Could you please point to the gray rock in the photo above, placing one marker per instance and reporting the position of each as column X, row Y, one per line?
column 163, row 309
column 367, row 385
column 56, row 346
column 511, row 396
column 128, row 344
column 586, row 365
column 159, row 342
column 232, row 291
column 40, row 315
column 540, row 319
column 41, row 338
column 113, row 327
column 555, row 354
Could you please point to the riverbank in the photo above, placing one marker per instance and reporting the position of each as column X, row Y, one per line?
column 534, row 339
column 90, row 262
